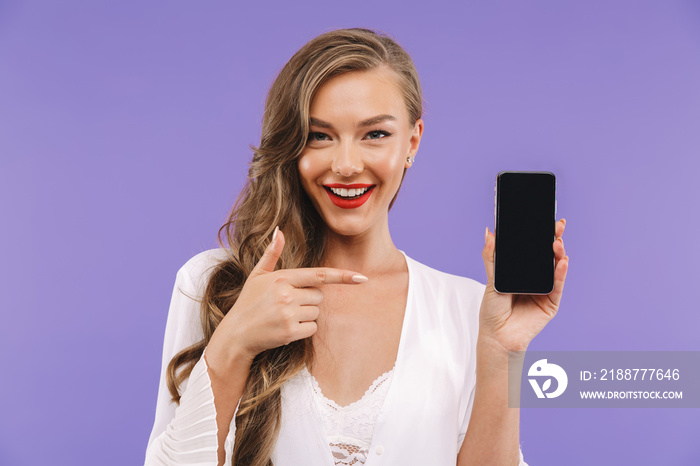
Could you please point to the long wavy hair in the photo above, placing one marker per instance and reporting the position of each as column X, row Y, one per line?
column 273, row 195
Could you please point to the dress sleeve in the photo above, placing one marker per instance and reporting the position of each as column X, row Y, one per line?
column 186, row 434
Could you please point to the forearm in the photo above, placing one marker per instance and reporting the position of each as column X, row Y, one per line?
column 228, row 380
column 492, row 436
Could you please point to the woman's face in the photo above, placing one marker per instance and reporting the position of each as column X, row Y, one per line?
column 360, row 137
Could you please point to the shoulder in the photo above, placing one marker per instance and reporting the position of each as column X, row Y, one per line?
column 196, row 271
column 449, row 302
column 443, row 282
column 183, row 327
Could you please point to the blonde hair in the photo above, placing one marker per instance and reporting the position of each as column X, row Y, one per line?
column 272, row 196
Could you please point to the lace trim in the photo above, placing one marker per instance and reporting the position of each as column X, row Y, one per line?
column 350, row 428
column 372, row 389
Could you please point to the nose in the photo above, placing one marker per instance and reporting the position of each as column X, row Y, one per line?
column 347, row 160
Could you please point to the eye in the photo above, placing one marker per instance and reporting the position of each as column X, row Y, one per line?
column 377, row 134
column 316, row 136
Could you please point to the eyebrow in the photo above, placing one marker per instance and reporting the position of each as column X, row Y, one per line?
column 368, row 122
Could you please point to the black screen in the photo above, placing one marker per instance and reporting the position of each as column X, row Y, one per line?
column 525, row 210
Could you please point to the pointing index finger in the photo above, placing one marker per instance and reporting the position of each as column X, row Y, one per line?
column 271, row 255
column 325, row 275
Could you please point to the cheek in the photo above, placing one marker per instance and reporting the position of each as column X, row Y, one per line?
column 391, row 164
column 308, row 169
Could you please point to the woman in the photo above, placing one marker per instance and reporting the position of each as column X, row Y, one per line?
column 312, row 303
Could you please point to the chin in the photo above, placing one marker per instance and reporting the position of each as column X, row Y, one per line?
column 345, row 226
column 346, row 230
column 351, row 227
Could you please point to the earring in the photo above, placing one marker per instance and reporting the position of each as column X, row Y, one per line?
column 410, row 159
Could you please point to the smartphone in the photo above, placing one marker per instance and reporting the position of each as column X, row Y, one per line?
column 525, row 216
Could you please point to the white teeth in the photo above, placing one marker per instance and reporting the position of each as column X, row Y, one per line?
column 349, row 192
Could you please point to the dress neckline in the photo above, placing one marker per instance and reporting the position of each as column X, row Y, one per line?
column 384, row 378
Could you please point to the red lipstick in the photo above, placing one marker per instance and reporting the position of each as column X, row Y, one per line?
column 344, row 203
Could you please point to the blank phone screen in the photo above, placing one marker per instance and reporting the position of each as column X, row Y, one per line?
column 525, row 210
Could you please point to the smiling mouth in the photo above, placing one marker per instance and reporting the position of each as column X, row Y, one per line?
column 349, row 193
column 349, row 197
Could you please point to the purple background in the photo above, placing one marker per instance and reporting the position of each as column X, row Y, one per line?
column 124, row 134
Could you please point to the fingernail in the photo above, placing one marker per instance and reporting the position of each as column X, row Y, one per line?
column 357, row 278
column 274, row 235
column 486, row 235
column 564, row 220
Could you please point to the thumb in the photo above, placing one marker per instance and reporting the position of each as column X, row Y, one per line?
column 488, row 255
column 272, row 253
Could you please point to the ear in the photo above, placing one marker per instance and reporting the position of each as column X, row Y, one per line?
column 416, row 136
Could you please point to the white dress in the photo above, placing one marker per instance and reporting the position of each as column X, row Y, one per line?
column 422, row 418
column 350, row 428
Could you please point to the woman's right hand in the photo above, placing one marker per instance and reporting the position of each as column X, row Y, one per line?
column 274, row 308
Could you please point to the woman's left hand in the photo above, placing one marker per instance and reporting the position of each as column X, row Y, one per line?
column 513, row 320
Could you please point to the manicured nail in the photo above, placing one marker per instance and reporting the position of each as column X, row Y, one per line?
column 274, row 235
column 357, row 278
